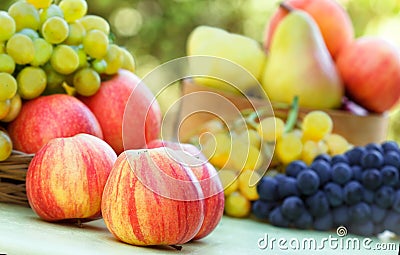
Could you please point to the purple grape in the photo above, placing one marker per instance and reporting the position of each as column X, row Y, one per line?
column 304, row 221
column 267, row 189
column 341, row 173
column 276, row 218
column 357, row 173
column 261, row 209
column 390, row 176
column 288, row 187
column 362, row 229
column 295, row 167
column 352, row 192
column 360, row 213
column 371, row 179
column 384, row 197
column 292, row 207
column 340, row 215
column 378, row 213
column 392, row 222
column 323, row 170
column 368, row 196
column 392, row 158
column 334, row 193
column 372, row 159
column 324, row 157
column 374, row 146
column 390, row 146
column 340, row 158
column 318, row 204
column 396, row 201
column 324, row 222
column 308, row 182
column 354, row 155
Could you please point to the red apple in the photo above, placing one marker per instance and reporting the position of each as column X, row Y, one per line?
column 209, row 181
column 333, row 21
column 125, row 95
column 48, row 117
column 151, row 199
column 370, row 68
column 66, row 178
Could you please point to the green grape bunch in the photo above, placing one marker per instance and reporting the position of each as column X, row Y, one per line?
column 48, row 48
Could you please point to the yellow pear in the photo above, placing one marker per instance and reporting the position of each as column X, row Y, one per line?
column 299, row 64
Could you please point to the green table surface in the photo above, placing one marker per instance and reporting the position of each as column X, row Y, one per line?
column 22, row 232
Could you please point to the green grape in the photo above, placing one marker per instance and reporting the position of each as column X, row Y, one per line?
column 2, row 47
column 247, row 184
column 271, row 129
column 20, row 47
column 73, row 9
column 5, row 107
column 8, row 86
column 76, row 33
column 25, row 15
column 8, row 27
column 250, row 136
column 217, row 148
column 310, row 151
column 337, row 144
column 99, row 65
column 5, row 145
column 229, row 180
column 64, row 60
column 55, row 30
column 30, row 33
column 83, row 62
column 316, row 125
column 52, row 11
column 86, row 82
column 237, row 205
column 31, row 82
column 114, row 59
column 128, row 62
column 244, row 156
column 40, row 3
column 15, row 108
column 95, row 44
column 54, row 81
column 7, row 63
column 43, row 51
column 91, row 22
column 289, row 148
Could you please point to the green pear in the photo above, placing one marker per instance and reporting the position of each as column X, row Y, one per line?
column 239, row 49
column 299, row 64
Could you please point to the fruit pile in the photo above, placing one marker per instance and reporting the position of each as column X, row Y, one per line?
column 359, row 189
column 50, row 48
column 316, row 38
column 244, row 150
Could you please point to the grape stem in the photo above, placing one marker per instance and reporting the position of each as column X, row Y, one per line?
column 292, row 115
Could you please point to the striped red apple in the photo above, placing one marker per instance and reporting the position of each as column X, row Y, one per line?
column 48, row 117
column 66, row 178
column 127, row 111
column 151, row 198
column 210, row 183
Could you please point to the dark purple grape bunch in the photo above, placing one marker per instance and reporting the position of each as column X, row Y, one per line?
column 359, row 189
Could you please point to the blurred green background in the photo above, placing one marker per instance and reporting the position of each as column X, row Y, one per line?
column 155, row 31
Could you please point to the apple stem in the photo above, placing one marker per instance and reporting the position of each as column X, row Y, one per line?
column 176, row 247
column 79, row 223
column 286, row 7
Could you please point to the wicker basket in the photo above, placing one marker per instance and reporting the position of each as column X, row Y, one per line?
column 12, row 178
